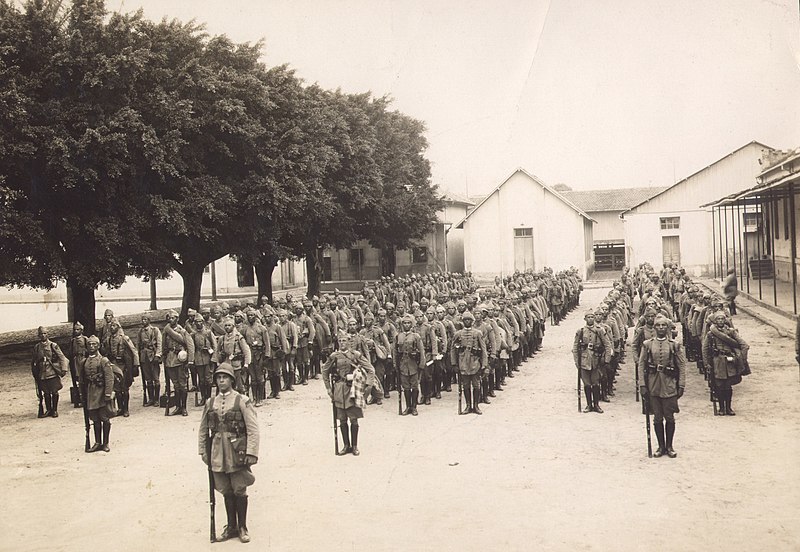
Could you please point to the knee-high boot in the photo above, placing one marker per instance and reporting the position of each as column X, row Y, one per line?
column 146, row 390
column 476, row 394
column 345, row 430
column 98, row 436
column 596, row 399
column 728, row 400
column 231, row 530
column 587, row 390
column 106, row 435
column 670, row 433
column 354, row 437
column 156, row 396
column 414, row 399
column 54, row 403
column 241, row 514
column 467, row 400
column 659, row 430
column 407, row 396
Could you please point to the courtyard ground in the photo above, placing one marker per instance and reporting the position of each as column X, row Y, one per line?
column 530, row 474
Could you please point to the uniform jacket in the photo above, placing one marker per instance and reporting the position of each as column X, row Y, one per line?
column 150, row 344
column 48, row 361
column 95, row 372
column 469, row 351
column 306, row 330
column 277, row 340
column 591, row 346
column 237, row 423
column 205, row 347
column 719, row 345
column 664, row 353
column 408, row 352
column 175, row 340
column 339, row 365
column 233, row 348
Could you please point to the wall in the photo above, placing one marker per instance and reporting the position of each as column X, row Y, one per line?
column 609, row 227
column 558, row 230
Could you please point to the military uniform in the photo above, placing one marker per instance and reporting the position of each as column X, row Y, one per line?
column 469, row 356
column 205, row 347
column 233, row 349
column 96, row 377
column 590, row 349
column 150, row 348
column 407, row 352
column 175, row 340
column 345, row 375
column 725, row 355
column 257, row 337
column 123, row 354
column 228, row 443
column 48, row 366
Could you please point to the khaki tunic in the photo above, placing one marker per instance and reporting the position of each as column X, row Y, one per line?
column 222, row 452
column 663, row 352
column 96, row 373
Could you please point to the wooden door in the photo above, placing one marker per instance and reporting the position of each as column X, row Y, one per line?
column 523, row 249
column 671, row 247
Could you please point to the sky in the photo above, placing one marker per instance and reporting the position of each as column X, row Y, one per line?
column 595, row 94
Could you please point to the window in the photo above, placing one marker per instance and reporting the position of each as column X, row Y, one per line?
column 207, row 269
column 523, row 232
column 419, row 255
column 752, row 221
column 354, row 257
column 785, row 218
column 670, row 223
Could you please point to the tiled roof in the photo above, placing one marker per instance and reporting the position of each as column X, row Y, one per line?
column 453, row 197
column 611, row 200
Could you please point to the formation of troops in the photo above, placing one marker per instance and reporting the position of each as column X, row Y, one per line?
column 419, row 337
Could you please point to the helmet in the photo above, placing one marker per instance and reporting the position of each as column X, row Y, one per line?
column 225, row 368
column 182, row 356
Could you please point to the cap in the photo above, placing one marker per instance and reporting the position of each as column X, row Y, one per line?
column 225, row 368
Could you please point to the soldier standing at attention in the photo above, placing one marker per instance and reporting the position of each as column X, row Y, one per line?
column 279, row 348
column 78, row 349
column 97, row 385
column 306, row 334
column 228, row 444
column 233, row 348
column 205, row 345
column 469, row 357
column 664, row 382
column 150, row 347
column 409, row 358
column 591, row 347
column 257, row 337
column 345, row 374
column 122, row 353
column 48, row 366
column 725, row 352
column 177, row 353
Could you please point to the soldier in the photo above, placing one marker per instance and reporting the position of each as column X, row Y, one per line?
column 150, row 346
column 178, row 351
column 322, row 344
column 257, row 337
column 205, row 346
column 285, row 317
column 105, row 330
column 425, row 330
column 591, row 347
column 228, row 444
column 217, row 318
column 279, row 348
column 48, row 366
column 409, row 358
column 450, row 331
column 306, row 335
column 725, row 355
column 440, row 335
column 664, row 383
column 78, row 349
column 232, row 348
column 123, row 354
column 346, row 374
column 97, row 385
column 379, row 350
column 390, row 331
column 468, row 355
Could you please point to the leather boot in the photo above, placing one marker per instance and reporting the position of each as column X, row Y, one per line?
column 126, row 397
column 354, row 437
column 276, row 386
column 54, row 403
column 489, row 385
column 428, row 392
column 722, row 400
column 184, row 399
column 156, row 394
column 728, row 399
column 177, row 411
column 241, row 513
column 587, row 390
column 670, row 433
column 231, row 530
column 285, row 380
column 475, row 400
column 145, row 391
column 407, row 396
column 48, row 405
column 659, row 429
column 467, row 401
column 414, row 398
column 98, row 437
column 596, row 399
column 345, row 430
column 498, row 379
column 385, row 387
column 106, row 435
column 437, row 386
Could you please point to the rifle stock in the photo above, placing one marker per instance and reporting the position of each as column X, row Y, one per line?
column 646, row 407
column 167, row 388
column 460, row 392
column 83, row 395
column 636, row 370
column 212, row 499
column 399, row 392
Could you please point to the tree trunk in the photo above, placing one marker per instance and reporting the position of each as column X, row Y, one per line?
column 264, row 269
column 153, row 294
column 313, row 269
column 192, row 274
column 81, row 306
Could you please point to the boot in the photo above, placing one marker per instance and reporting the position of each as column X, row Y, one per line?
column 437, row 386
column 48, row 405
column 475, row 396
column 498, row 379
column 588, row 392
column 722, row 400
column 241, row 513
column 428, row 393
column 145, row 390
column 285, row 381
column 386, row 387
column 98, row 438
column 154, row 398
column 177, row 411
column 106, row 434
column 407, row 395
column 184, row 399
column 345, row 439
column 669, row 435
column 659, row 429
column 276, row 386
column 231, row 530
column 467, row 401
column 596, row 397
column 483, row 397
column 448, row 385
column 728, row 399
column 354, row 437
column 54, row 402
column 414, row 398
column 488, row 385
column 290, row 380
column 126, row 397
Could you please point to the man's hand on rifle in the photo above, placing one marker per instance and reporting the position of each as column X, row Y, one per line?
column 249, row 460
column 680, row 392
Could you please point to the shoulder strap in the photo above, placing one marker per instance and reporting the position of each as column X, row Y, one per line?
column 237, row 401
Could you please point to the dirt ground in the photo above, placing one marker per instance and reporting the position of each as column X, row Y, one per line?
column 530, row 474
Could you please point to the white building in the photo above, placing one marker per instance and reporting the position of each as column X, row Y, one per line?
column 525, row 224
column 671, row 227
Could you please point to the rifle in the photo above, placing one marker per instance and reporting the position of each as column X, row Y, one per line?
column 646, row 407
column 636, row 370
column 399, row 392
column 40, row 396
column 212, row 499
column 168, row 391
column 712, row 381
column 335, row 431
column 460, row 392
column 83, row 391
column 580, row 348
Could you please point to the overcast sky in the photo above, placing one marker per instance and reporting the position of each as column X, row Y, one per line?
column 593, row 94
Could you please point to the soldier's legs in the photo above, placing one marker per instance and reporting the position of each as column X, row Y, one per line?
column 179, row 379
column 657, row 406
column 274, row 375
column 193, row 371
column 97, row 424
column 586, row 380
column 288, row 379
column 426, row 383
column 341, row 415
column 437, row 378
column 475, row 383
